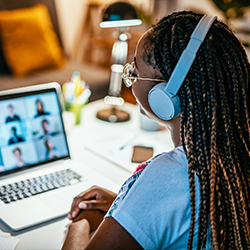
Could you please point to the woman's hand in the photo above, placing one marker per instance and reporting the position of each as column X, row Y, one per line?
column 77, row 235
column 95, row 198
column 94, row 218
column 77, row 232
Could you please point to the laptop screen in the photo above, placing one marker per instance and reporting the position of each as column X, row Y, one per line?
column 31, row 130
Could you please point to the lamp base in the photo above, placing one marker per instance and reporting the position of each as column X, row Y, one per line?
column 113, row 115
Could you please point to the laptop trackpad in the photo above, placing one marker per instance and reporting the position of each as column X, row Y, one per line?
column 62, row 199
column 26, row 213
column 29, row 212
column 60, row 203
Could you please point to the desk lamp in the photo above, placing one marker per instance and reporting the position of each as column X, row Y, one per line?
column 120, row 15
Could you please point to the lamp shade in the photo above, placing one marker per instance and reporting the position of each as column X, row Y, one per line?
column 120, row 14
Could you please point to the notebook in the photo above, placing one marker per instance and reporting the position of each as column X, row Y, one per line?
column 38, row 179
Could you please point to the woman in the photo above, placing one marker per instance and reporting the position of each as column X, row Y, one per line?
column 40, row 109
column 198, row 195
column 51, row 150
column 19, row 157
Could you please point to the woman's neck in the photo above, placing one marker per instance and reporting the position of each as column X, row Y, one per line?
column 174, row 125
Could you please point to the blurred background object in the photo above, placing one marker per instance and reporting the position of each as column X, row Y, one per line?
column 76, row 94
column 22, row 15
column 236, row 14
column 87, row 47
column 232, row 8
column 122, row 16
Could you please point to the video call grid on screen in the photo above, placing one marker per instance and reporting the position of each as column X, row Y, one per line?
column 31, row 130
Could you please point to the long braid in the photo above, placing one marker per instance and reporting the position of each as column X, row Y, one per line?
column 238, row 183
column 215, row 126
column 225, row 229
column 191, row 183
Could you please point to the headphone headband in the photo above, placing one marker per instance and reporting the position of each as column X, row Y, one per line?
column 188, row 55
column 162, row 98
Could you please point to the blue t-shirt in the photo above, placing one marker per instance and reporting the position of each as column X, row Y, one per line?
column 153, row 205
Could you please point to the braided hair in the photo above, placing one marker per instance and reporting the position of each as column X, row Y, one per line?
column 215, row 127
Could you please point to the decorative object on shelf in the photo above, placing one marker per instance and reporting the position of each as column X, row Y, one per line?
column 119, row 15
column 76, row 94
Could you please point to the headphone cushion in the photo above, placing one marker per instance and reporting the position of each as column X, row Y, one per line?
column 165, row 105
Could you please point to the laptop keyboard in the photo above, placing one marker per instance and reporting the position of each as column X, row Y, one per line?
column 24, row 189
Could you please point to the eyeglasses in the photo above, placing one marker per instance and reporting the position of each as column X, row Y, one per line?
column 129, row 76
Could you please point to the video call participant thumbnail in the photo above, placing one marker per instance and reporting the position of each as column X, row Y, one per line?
column 12, row 116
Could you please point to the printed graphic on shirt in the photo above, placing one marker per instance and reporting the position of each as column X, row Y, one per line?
column 127, row 186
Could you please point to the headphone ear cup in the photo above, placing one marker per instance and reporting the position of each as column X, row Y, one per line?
column 165, row 105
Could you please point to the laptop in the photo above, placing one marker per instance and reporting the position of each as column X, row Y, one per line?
column 38, row 179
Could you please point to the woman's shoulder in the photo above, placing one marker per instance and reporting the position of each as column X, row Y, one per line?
column 175, row 159
column 166, row 165
column 166, row 159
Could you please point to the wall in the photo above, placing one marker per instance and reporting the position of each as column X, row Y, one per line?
column 70, row 16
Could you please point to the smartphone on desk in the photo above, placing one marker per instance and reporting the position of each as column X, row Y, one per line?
column 141, row 153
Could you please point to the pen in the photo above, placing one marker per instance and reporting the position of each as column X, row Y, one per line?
column 127, row 143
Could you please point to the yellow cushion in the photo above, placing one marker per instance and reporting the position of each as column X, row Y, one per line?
column 29, row 41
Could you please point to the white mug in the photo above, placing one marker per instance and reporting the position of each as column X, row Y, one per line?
column 148, row 124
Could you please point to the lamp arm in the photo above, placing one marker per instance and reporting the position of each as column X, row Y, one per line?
column 119, row 58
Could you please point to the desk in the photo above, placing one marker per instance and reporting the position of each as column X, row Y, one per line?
column 105, row 140
column 51, row 236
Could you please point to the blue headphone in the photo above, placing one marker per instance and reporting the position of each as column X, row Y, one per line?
column 162, row 98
